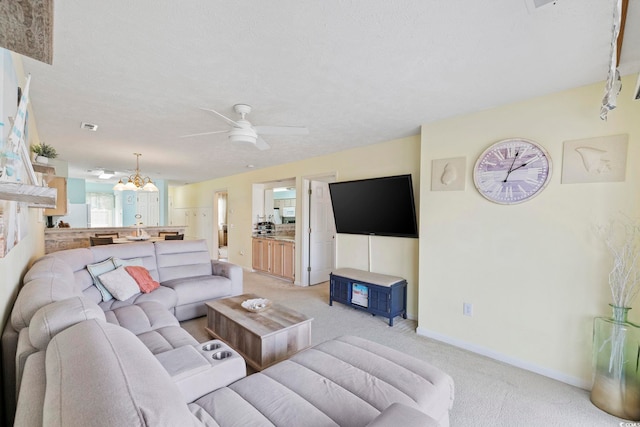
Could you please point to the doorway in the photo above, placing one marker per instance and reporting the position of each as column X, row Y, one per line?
column 220, row 218
column 319, row 240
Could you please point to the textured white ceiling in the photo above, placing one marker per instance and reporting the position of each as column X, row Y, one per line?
column 354, row 72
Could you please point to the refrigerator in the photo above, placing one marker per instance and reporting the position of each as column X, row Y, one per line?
column 78, row 215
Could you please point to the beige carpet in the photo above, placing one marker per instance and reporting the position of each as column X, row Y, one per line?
column 488, row 393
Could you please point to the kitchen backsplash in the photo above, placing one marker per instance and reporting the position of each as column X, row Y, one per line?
column 285, row 229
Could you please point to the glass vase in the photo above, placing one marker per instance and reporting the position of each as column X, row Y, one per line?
column 616, row 355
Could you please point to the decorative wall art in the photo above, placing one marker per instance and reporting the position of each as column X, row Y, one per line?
column 448, row 174
column 14, row 217
column 26, row 27
column 599, row 159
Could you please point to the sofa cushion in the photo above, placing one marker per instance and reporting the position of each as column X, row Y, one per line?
column 30, row 402
column 163, row 295
column 120, row 284
column 143, row 317
column 181, row 259
column 77, row 260
column 48, row 267
column 345, row 381
column 56, row 317
column 199, row 288
column 424, row 386
column 128, row 251
column 257, row 400
column 36, row 294
column 98, row 269
column 119, row 262
column 164, row 339
column 90, row 358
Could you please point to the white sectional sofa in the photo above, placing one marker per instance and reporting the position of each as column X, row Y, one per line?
column 73, row 359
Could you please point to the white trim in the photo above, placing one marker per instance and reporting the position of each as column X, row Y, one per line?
column 474, row 348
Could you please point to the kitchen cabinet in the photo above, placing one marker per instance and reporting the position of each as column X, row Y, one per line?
column 260, row 254
column 273, row 256
column 60, row 184
column 288, row 260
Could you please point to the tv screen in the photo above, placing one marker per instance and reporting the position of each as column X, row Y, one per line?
column 376, row 206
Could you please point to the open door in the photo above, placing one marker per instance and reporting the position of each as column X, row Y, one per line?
column 322, row 233
column 220, row 235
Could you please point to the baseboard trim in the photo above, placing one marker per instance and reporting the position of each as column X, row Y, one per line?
column 474, row 348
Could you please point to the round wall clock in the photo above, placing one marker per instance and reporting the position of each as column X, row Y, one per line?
column 512, row 171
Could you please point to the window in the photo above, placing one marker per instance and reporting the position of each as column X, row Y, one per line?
column 102, row 207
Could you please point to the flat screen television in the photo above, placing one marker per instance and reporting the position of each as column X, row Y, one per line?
column 377, row 206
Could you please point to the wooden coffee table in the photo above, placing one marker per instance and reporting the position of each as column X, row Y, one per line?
column 262, row 338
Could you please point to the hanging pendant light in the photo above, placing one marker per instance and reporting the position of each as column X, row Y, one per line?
column 136, row 182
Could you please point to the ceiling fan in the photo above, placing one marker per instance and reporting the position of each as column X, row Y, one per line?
column 243, row 131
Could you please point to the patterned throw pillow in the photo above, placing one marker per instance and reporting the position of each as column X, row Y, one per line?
column 120, row 284
column 96, row 270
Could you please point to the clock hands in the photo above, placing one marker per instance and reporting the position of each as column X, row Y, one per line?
column 511, row 169
column 524, row 164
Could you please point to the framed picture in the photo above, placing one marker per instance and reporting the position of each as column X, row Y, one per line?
column 448, row 174
column 599, row 159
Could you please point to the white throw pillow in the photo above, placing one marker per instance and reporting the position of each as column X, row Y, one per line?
column 120, row 284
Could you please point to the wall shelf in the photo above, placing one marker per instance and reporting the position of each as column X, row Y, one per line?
column 42, row 168
column 35, row 196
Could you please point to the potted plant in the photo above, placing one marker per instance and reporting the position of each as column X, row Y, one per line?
column 43, row 152
column 616, row 341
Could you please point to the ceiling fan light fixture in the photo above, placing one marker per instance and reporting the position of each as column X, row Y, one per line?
column 243, row 135
column 243, row 131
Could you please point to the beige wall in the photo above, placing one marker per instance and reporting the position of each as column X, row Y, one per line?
column 535, row 272
column 16, row 262
column 395, row 256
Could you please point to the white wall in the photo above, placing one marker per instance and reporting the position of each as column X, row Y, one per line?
column 535, row 272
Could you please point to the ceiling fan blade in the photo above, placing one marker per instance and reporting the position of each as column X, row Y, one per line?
column 203, row 133
column 227, row 119
column 261, row 144
column 282, row 130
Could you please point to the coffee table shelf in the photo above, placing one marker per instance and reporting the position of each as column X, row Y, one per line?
column 262, row 338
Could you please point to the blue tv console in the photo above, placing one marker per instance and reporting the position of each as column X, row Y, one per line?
column 378, row 294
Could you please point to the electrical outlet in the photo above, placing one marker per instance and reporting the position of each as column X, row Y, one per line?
column 467, row 309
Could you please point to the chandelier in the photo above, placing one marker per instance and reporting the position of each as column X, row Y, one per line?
column 136, row 182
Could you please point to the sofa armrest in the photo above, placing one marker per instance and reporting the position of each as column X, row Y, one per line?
column 399, row 414
column 231, row 271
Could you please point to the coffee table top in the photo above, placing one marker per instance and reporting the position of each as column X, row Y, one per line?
column 263, row 323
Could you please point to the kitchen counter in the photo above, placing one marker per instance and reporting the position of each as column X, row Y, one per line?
column 281, row 237
column 58, row 239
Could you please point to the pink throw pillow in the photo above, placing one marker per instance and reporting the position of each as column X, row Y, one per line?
column 143, row 278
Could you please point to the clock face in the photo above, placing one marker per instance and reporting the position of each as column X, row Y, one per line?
column 512, row 171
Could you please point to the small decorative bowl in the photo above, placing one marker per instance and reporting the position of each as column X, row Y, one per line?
column 255, row 305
